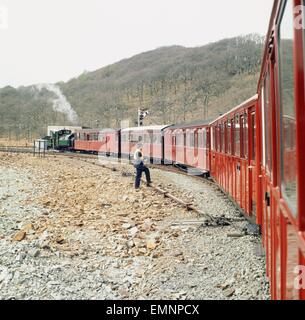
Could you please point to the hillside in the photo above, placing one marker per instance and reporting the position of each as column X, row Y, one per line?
column 176, row 84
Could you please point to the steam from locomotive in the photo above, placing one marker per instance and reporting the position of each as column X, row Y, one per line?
column 60, row 103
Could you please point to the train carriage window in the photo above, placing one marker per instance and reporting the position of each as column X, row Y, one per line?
column 225, row 136
column 268, row 124
column 156, row 138
column 217, row 139
column 205, row 139
column 253, row 137
column 237, row 136
column 159, row 138
column 180, row 138
column 176, row 134
column 213, row 138
column 228, row 137
column 196, row 139
column 192, row 139
column 245, row 136
column 200, row 139
column 288, row 113
column 222, row 138
column 189, row 139
column 263, row 135
column 241, row 136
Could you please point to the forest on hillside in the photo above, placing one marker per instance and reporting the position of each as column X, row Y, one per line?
column 176, row 84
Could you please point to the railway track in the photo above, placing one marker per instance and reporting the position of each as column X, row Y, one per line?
column 210, row 220
column 16, row 149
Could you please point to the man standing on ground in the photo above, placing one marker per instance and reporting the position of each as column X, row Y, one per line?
column 139, row 165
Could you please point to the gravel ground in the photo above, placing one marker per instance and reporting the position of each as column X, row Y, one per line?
column 71, row 230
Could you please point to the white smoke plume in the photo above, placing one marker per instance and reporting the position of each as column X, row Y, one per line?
column 60, row 104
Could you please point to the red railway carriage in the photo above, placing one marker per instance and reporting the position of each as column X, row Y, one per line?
column 106, row 141
column 281, row 156
column 151, row 137
column 233, row 155
column 188, row 145
column 255, row 152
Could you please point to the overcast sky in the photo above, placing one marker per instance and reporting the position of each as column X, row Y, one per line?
column 54, row 40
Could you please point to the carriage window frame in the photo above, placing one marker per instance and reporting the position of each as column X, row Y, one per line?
column 147, row 138
column 200, row 139
column 229, row 136
column 263, row 135
column 205, row 144
column 242, row 146
column 218, row 138
column 232, row 136
column 179, row 138
column 237, row 130
column 226, row 135
column 196, row 137
column 215, row 137
column 286, row 141
column 268, row 126
column 191, row 139
column 213, row 146
column 222, row 138
column 246, row 136
column 253, row 135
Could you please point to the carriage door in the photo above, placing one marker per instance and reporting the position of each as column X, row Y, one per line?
column 252, row 157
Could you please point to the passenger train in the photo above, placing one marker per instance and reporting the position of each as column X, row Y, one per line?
column 255, row 152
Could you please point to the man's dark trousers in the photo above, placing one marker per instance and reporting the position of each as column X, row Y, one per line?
column 140, row 168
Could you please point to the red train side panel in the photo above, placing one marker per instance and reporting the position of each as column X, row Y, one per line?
column 188, row 145
column 233, row 155
column 281, row 127
column 105, row 142
column 151, row 137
